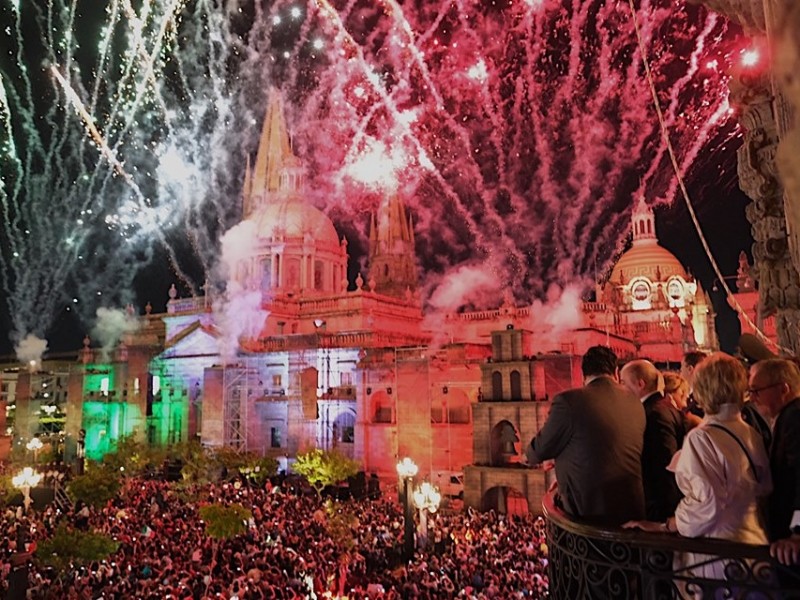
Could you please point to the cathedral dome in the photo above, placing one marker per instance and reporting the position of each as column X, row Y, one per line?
column 646, row 260
column 293, row 218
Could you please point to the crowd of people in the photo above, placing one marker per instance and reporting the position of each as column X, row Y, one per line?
column 712, row 451
column 287, row 550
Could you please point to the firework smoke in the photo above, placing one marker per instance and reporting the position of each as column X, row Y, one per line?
column 517, row 132
column 29, row 351
column 110, row 325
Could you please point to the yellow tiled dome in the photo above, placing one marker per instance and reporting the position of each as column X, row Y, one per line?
column 646, row 259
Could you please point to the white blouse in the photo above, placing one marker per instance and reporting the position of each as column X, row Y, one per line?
column 721, row 492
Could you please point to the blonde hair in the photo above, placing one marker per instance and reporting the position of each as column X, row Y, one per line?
column 674, row 382
column 719, row 379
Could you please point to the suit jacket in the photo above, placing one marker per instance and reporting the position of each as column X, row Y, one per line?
column 785, row 464
column 663, row 437
column 595, row 435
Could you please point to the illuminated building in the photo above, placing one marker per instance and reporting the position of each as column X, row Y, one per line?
column 290, row 355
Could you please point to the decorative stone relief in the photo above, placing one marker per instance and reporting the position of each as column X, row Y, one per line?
column 779, row 284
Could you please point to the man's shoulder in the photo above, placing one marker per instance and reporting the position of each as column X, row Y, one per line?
column 600, row 389
column 789, row 418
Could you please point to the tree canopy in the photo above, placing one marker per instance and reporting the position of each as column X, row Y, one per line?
column 95, row 487
column 325, row 467
column 224, row 522
column 71, row 546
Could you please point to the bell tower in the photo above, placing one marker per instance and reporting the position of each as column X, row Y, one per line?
column 644, row 223
column 392, row 263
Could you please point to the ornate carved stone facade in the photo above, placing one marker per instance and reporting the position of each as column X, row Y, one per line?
column 769, row 160
column 779, row 284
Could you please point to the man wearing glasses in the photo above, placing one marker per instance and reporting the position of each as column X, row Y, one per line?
column 775, row 387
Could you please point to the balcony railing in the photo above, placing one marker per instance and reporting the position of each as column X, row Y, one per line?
column 590, row 562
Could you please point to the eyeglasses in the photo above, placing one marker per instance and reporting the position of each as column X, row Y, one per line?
column 753, row 392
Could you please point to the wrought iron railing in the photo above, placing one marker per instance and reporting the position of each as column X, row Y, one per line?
column 590, row 562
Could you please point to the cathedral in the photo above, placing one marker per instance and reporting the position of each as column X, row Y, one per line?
column 291, row 355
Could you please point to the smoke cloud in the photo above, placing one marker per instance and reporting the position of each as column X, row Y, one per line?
column 561, row 313
column 238, row 309
column 30, row 350
column 111, row 325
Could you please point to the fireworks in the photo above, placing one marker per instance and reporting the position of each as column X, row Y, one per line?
column 517, row 132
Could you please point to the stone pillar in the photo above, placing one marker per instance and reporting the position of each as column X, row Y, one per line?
column 785, row 17
column 779, row 284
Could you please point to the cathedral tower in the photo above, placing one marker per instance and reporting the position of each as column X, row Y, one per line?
column 277, row 171
column 391, row 249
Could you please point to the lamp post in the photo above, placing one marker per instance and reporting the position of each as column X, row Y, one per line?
column 426, row 499
column 407, row 469
column 24, row 481
column 34, row 446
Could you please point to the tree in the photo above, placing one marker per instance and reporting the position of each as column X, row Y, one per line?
column 8, row 492
column 324, row 467
column 95, row 487
column 72, row 547
column 259, row 468
column 133, row 457
column 224, row 522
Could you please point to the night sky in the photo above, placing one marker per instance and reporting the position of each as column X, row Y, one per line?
column 527, row 145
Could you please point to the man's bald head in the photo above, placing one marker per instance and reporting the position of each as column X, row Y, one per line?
column 641, row 377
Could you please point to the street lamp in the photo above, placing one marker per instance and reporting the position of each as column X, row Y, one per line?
column 426, row 499
column 25, row 480
column 407, row 469
column 34, row 446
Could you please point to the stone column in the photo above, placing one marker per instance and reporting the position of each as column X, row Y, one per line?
column 779, row 284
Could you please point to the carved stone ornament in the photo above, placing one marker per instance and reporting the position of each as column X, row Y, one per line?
column 778, row 281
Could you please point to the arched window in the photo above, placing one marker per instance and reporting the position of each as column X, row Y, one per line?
column 344, row 426
column 318, row 271
column 497, row 386
column 516, row 385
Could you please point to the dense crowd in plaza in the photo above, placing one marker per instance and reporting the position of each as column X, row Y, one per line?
column 286, row 552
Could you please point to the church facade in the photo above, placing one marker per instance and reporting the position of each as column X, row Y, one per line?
column 351, row 365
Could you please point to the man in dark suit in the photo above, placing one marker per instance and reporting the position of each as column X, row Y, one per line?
column 663, row 437
column 775, row 386
column 595, row 435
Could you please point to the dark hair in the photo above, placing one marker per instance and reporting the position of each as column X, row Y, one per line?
column 599, row 360
column 692, row 359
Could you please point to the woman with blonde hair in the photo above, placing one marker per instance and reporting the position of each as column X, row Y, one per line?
column 676, row 390
column 722, row 469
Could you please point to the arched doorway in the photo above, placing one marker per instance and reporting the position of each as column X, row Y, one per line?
column 505, row 501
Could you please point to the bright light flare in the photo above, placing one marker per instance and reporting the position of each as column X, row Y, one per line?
column 478, row 72
column 377, row 166
column 750, row 58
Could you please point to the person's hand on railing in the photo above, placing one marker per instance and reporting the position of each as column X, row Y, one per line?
column 787, row 550
column 667, row 526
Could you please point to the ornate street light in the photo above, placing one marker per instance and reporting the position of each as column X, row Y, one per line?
column 407, row 469
column 427, row 499
column 34, row 446
column 24, row 481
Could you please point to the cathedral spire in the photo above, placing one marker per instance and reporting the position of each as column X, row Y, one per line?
column 276, row 168
column 643, row 222
column 392, row 263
